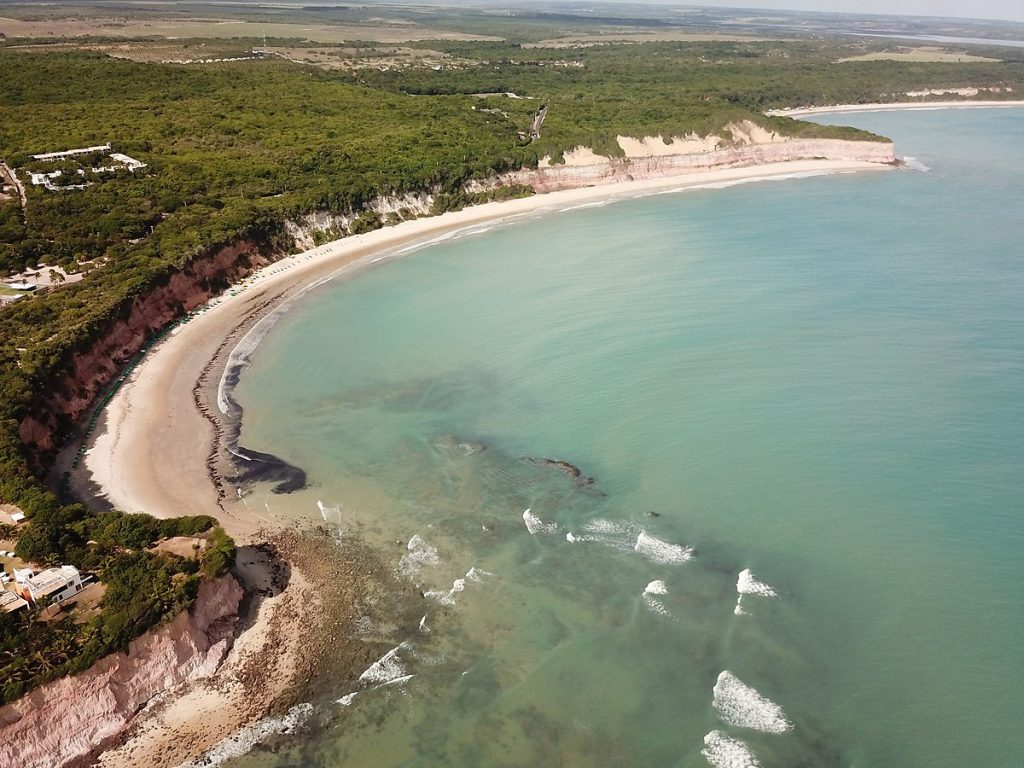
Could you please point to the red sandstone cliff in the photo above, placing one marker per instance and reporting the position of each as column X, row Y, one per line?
column 92, row 369
column 70, row 717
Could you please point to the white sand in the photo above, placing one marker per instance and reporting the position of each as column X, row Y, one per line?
column 918, row 105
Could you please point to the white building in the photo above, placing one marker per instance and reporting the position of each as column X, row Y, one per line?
column 54, row 584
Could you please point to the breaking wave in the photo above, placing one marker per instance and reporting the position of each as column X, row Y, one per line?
column 615, row 534
column 746, row 584
column 418, row 554
column 388, row 667
column 725, row 752
column 535, row 525
column 740, row 705
column 656, row 587
column 473, row 576
column 654, row 605
column 242, row 741
column 660, row 551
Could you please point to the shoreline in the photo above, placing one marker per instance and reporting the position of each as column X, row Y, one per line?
column 167, row 414
column 156, row 418
column 922, row 106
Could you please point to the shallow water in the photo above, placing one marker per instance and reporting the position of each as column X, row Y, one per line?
column 818, row 380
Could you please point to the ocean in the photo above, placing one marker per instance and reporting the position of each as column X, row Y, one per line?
column 727, row 477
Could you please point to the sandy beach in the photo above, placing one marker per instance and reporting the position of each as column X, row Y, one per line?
column 916, row 105
column 151, row 452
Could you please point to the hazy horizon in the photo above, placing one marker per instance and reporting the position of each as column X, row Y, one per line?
column 996, row 10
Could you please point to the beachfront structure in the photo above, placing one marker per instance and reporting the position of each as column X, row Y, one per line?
column 71, row 152
column 46, row 180
column 10, row 602
column 54, row 584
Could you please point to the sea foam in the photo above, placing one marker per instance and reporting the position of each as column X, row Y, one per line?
column 746, row 584
column 418, row 554
column 656, row 587
column 535, row 525
column 243, row 740
column 473, row 576
column 611, row 533
column 659, row 551
column 725, row 752
column 740, row 705
column 388, row 667
column 654, row 605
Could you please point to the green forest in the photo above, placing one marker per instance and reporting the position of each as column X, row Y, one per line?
column 237, row 149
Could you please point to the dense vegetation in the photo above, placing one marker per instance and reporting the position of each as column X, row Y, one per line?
column 143, row 588
column 237, row 149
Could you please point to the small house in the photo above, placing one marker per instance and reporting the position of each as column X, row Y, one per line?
column 53, row 585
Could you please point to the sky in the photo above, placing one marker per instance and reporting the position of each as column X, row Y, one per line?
column 1010, row 10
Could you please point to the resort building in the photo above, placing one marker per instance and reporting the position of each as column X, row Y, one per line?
column 47, row 180
column 53, row 585
column 71, row 152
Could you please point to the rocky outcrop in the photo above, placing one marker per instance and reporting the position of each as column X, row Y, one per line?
column 124, row 335
column 609, row 171
column 71, row 717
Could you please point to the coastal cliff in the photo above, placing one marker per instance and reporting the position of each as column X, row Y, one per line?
column 92, row 368
column 651, row 158
column 73, row 716
column 125, row 334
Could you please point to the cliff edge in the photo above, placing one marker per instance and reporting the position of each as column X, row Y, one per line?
column 68, row 718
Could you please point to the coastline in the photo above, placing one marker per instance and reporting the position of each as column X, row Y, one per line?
column 162, row 417
column 899, row 105
column 153, row 421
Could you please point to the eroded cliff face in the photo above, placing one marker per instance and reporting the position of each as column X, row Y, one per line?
column 123, row 336
column 70, row 717
column 308, row 229
column 609, row 171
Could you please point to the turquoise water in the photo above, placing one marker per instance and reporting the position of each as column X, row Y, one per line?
column 816, row 379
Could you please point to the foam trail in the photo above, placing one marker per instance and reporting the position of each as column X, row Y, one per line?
column 656, row 587
column 725, row 752
column 477, row 575
column 654, row 605
column 582, row 206
column 388, row 667
column 914, row 164
column 535, row 525
column 347, row 699
column 660, row 551
column 473, row 576
column 448, row 598
column 248, row 737
column 746, row 584
column 740, row 705
column 418, row 554
column 617, row 535
column 397, row 681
